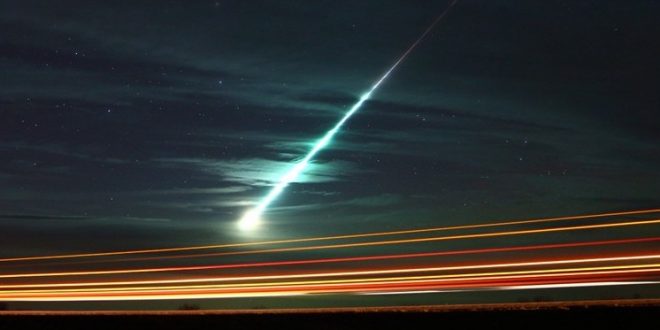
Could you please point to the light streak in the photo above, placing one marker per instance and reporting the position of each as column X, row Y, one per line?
column 437, row 238
column 163, row 297
column 338, row 237
column 212, row 295
column 252, row 217
column 547, row 277
column 333, row 260
column 351, row 273
column 518, row 287
column 573, row 285
column 472, row 277
column 392, row 293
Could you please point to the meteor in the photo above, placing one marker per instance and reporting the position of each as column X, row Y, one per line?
column 252, row 217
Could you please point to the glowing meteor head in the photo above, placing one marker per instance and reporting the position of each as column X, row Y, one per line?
column 250, row 220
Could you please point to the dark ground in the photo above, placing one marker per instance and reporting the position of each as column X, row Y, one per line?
column 589, row 315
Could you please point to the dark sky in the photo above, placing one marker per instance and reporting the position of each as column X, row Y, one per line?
column 129, row 124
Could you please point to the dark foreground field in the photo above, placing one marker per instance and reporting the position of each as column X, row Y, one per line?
column 624, row 314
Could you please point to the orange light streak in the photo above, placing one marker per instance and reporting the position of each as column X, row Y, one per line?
column 582, row 271
column 384, row 283
column 332, row 260
column 400, row 232
column 346, row 273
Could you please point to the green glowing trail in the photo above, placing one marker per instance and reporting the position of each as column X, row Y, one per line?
column 252, row 217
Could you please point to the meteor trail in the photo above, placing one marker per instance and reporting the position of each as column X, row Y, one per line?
column 251, row 218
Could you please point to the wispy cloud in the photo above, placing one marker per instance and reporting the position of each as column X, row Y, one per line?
column 193, row 191
column 263, row 172
column 371, row 202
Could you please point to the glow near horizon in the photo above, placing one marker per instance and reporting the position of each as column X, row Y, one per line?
column 252, row 217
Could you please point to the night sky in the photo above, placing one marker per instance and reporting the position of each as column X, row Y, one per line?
column 133, row 124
